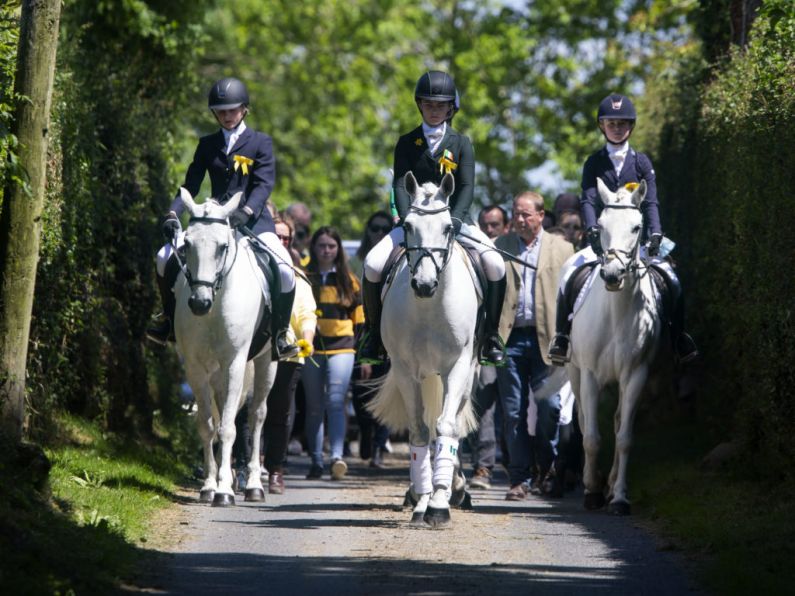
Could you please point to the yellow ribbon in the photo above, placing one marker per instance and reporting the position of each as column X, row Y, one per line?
column 446, row 165
column 631, row 186
column 243, row 162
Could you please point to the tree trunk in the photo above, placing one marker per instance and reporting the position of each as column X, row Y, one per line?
column 20, row 220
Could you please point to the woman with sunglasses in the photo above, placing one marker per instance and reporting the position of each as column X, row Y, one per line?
column 429, row 151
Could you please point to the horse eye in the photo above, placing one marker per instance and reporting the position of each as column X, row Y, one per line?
column 448, row 229
column 222, row 248
column 636, row 229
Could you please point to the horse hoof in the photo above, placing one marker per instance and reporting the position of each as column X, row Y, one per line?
column 223, row 500
column 594, row 501
column 254, row 494
column 466, row 502
column 619, row 508
column 418, row 518
column 409, row 500
column 437, row 518
column 206, row 496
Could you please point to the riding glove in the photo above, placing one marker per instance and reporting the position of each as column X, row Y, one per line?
column 239, row 217
column 653, row 249
column 457, row 223
column 171, row 228
column 595, row 240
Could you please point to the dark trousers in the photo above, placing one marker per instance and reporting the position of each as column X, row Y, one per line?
column 373, row 434
column 276, row 431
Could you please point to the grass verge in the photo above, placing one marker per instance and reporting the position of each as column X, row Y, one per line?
column 735, row 527
column 86, row 535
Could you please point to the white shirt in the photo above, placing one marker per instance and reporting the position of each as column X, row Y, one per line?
column 618, row 155
column 231, row 136
column 434, row 135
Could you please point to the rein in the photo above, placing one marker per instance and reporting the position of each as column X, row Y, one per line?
column 428, row 251
column 216, row 283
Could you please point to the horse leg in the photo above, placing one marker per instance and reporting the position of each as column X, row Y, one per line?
column 232, row 381
column 589, row 400
column 628, row 401
column 206, row 427
column 611, row 479
column 454, row 388
column 420, row 471
column 264, row 375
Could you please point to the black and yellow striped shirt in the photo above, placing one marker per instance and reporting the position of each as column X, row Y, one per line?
column 338, row 326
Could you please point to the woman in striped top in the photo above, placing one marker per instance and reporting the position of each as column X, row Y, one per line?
column 340, row 319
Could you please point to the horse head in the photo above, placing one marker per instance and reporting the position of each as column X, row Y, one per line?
column 207, row 243
column 621, row 224
column 429, row 232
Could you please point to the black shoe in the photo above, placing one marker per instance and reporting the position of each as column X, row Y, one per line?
column 492, row 352
column 283, row 349
column 315, row 472
column 686, row 350
column 162, row 332
column 559, row 349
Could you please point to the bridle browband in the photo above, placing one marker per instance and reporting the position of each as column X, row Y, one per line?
column 428, row 251
column 220, row 273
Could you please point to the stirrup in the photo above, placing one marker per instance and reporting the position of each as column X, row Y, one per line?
column 286, row 351
column 485, row 360
column 162, row 331
column 686, row 342
column 554, row 353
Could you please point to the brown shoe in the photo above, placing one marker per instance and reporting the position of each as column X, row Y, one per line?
column 518, row 492
column 276, row 483
column 481, row 478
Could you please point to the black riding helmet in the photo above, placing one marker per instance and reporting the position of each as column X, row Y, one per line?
column 616, row 107
column 227, row 94
column 436, row 85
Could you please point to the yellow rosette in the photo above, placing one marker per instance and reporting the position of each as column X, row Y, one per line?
column 243, row 163
column 631, row 186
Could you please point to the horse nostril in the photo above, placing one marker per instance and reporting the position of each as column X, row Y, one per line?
column 199, row 306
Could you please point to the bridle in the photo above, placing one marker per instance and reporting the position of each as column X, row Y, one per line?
column 633, row 263
column 222, row 270
column 429, row 251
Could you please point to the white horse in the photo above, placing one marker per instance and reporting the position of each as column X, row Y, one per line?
column 428, row 328
column 617, row 338
column 220, row 303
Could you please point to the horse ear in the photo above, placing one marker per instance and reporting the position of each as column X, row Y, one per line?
column 232, row 203
column 604, row 192
column 639, row 194
column 187, row 200
column 448, row 185
column 410, row 184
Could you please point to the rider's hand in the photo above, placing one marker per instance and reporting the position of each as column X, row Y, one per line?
column 171, row 227
column 653, row 249
column 457, row 223
column 238, row 217
column 595, row 240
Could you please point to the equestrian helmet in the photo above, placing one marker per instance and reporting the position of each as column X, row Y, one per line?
column 616, row 107
column 227, row 94
column 436, row 85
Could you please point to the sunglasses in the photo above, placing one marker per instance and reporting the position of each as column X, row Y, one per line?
column 374, row 228
column 571, row 227
column 284, row 238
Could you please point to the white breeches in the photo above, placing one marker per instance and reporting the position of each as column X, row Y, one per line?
column 286, row 273
column 493, row 263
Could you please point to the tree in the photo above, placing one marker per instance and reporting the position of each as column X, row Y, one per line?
column 20, row 221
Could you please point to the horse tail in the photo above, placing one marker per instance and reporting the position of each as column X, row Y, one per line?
column 387, row 406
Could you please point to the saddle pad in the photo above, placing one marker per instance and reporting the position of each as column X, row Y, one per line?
column 263, row 331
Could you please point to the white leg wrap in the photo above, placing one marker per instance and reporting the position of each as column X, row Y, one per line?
column 444, row 463
column 420, row 470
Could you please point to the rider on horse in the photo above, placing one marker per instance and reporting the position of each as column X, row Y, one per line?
column 617, row 164
column 429, row 151
column 237, row 159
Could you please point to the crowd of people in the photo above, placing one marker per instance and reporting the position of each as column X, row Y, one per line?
column 326, row 317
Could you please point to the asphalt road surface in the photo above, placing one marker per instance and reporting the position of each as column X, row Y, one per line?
column 353, row 537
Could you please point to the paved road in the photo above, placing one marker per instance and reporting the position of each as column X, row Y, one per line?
column 352, row 537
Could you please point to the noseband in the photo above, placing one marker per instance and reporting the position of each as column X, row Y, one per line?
column 216, row 283
column 428, row 251
column 634, row 263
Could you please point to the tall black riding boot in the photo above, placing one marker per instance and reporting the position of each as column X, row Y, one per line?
column 492, row 351
column 684, row 346
column 559, row 346
column 162, row 331
column 371, row 350
column 281, row 347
